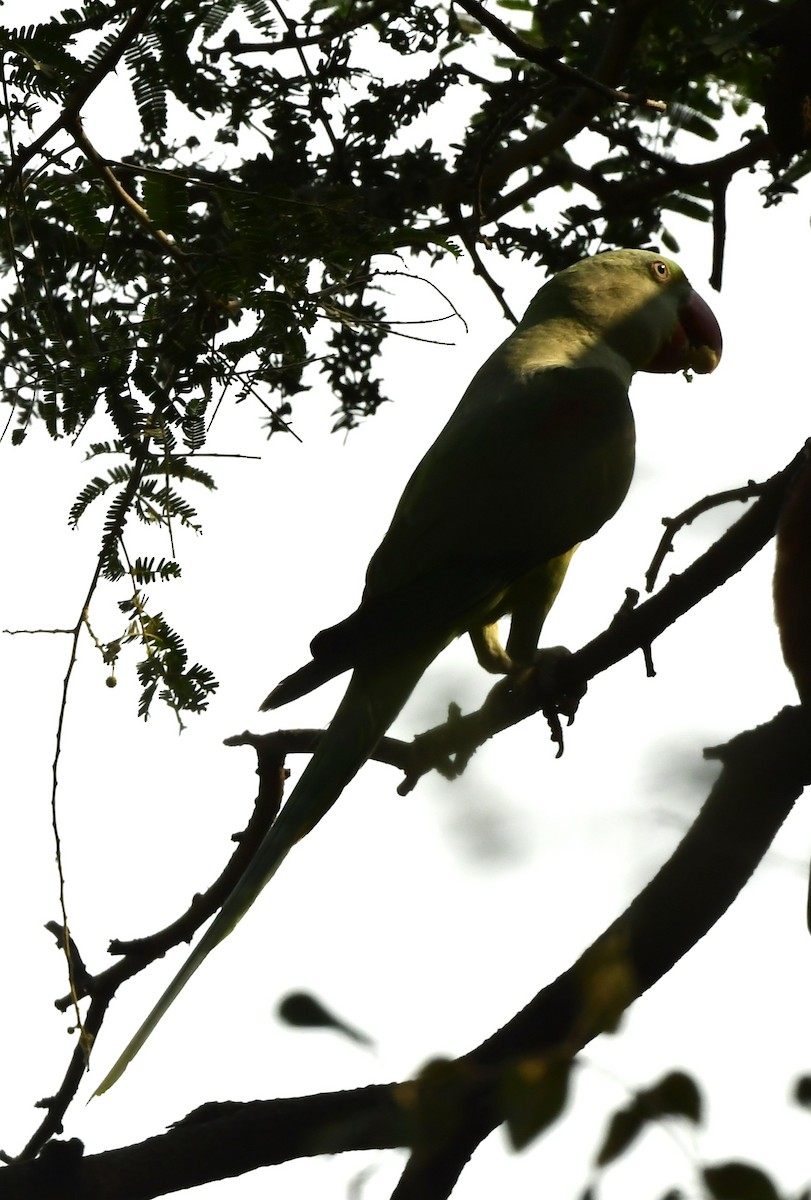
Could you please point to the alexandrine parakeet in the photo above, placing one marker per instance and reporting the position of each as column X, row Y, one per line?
column 537, row 456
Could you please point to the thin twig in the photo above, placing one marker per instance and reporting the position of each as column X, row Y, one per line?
column 469, row 242
column 122, row 196
column 674, row 524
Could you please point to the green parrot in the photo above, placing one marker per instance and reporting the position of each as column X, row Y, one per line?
column 537, row 456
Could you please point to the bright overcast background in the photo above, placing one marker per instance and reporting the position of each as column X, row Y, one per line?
column 427, row 920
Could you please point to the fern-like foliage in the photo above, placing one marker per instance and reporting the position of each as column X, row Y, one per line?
column 148, row 85
column 166, row 670
column 147, row 570
column 151, row 497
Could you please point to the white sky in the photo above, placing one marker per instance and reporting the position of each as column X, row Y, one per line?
column 399, row 913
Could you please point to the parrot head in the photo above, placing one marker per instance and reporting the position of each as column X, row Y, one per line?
column 638, row 303
column 695, row 341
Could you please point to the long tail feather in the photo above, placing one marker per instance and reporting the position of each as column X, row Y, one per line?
column 305, row 679
column 372, row 701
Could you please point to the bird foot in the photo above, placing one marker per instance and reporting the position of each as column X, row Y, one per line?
column 558, row 698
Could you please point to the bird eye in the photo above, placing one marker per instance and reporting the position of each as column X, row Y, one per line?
column 660, row 270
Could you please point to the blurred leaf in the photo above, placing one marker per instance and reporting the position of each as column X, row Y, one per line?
column 739, row 1181
column 675, row 1095
column 305, row 1011
column 534, row 1094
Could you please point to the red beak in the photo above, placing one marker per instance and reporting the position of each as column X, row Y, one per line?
column 695, row 343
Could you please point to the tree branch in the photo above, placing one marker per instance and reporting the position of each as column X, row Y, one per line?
column 763, row 772
column 120, row 195
column 551, row 62
column 621, row 37
column 139, row 953
column 448, row 747
column 514, row 698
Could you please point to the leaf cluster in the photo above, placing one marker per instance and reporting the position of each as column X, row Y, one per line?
column 316, row 165
column 285, row 155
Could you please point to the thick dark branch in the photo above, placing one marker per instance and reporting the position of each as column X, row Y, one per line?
column 616, row 198
column 219, row 1141
column 517, row 697
column 763, row 773
column 671, row 175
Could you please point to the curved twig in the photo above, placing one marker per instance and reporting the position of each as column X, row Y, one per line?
column 674, row 524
